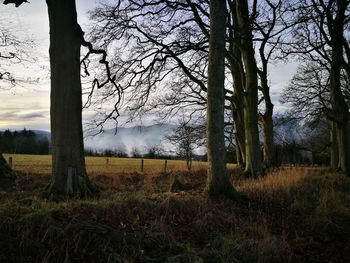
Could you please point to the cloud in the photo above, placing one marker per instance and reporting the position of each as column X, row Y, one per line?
column 33, row 115
column 18, row 115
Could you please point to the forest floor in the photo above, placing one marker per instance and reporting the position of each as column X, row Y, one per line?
column 290, row 215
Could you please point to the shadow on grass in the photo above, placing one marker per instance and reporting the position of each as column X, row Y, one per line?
column 291, row 216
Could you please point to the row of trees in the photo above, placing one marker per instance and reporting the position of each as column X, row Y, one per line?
column 25, row 142
column 205, row 54
column 165, row 44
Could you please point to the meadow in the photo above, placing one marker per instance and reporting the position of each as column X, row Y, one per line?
column 41, row 164
column 289, row 215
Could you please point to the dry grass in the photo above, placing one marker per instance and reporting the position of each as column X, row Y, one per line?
column 291, row 215
column 280, row 181
column 41, row 164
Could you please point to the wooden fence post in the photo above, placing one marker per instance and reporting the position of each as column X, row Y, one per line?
column 165, row 165
column 107, row 161
column 141, row 165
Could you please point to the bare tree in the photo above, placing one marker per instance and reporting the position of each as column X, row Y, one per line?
column 252, row 146
column 217, row 181
column 69, row 178
column 271, row 25
column 165, row 46
column 320, row 37
column 186, row 138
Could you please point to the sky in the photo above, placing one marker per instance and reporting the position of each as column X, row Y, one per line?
column 27, row 104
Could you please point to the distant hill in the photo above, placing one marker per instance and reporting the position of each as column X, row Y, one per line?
column 43, row 133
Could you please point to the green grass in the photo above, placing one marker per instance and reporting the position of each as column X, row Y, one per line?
column 292, row 215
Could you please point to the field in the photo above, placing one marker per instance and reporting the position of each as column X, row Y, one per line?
column 41, row 164
column 290, row 215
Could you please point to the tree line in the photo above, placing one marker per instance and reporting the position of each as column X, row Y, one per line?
column 23, row 142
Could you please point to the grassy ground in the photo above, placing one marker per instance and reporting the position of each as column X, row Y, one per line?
column 292, row 215
column 41, row 164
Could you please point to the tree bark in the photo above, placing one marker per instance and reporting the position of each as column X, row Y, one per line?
column 266, row 121
column 6, row 179
column 68, row 162
column 217, row 183
column 238, row 111
column 339, row 106
column 334, row 147
column 252, row 146
column 238, row 76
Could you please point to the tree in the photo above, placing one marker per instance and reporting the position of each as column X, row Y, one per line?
column 217, row 181
column 340, row 109
column 171, row 53
column 186, row 138
column 69, row 178
column 270, row 23
column 252, row 146
column 320, row 37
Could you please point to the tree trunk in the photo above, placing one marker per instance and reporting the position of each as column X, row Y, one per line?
column 217, row 183
column 252, row 146
column 6, row 179
column 339, row 106
column 238, row 120
column 334, row 147
column 238, row 113
column 238, row 76
column 266, row 122
column 344, row 146
column 68, row 163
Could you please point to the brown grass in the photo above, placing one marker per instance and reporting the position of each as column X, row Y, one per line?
column 291, row 215
column 280, row 181
column 41, row 164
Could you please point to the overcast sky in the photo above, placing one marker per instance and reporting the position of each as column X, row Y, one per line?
column 27, row 104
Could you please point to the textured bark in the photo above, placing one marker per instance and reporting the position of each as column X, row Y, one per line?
column 238, row 111
column 253, row 165
column 266, row 122
column 339, row 106
column 217, row 183
column 238, row 77
column 68, row 163
column 6, row 179
column 5, row 169
column 334, row 147
column 238, row 119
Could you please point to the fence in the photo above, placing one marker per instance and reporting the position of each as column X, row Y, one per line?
column 42, row 164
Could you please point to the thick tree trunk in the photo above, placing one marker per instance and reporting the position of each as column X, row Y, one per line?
column 334, row 147
column 252, row 146
column 344, row 146
column 266, row 122
column 6, row 179
column 239, row 155
column 217, row 183
column 238, row 113
column 339, row 106
column 238, row 76
column 68, row 163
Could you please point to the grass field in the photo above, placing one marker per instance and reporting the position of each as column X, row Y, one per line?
column 41, row 164
column 291, row 215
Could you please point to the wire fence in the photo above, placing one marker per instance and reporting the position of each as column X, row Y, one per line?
column 42, row 164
